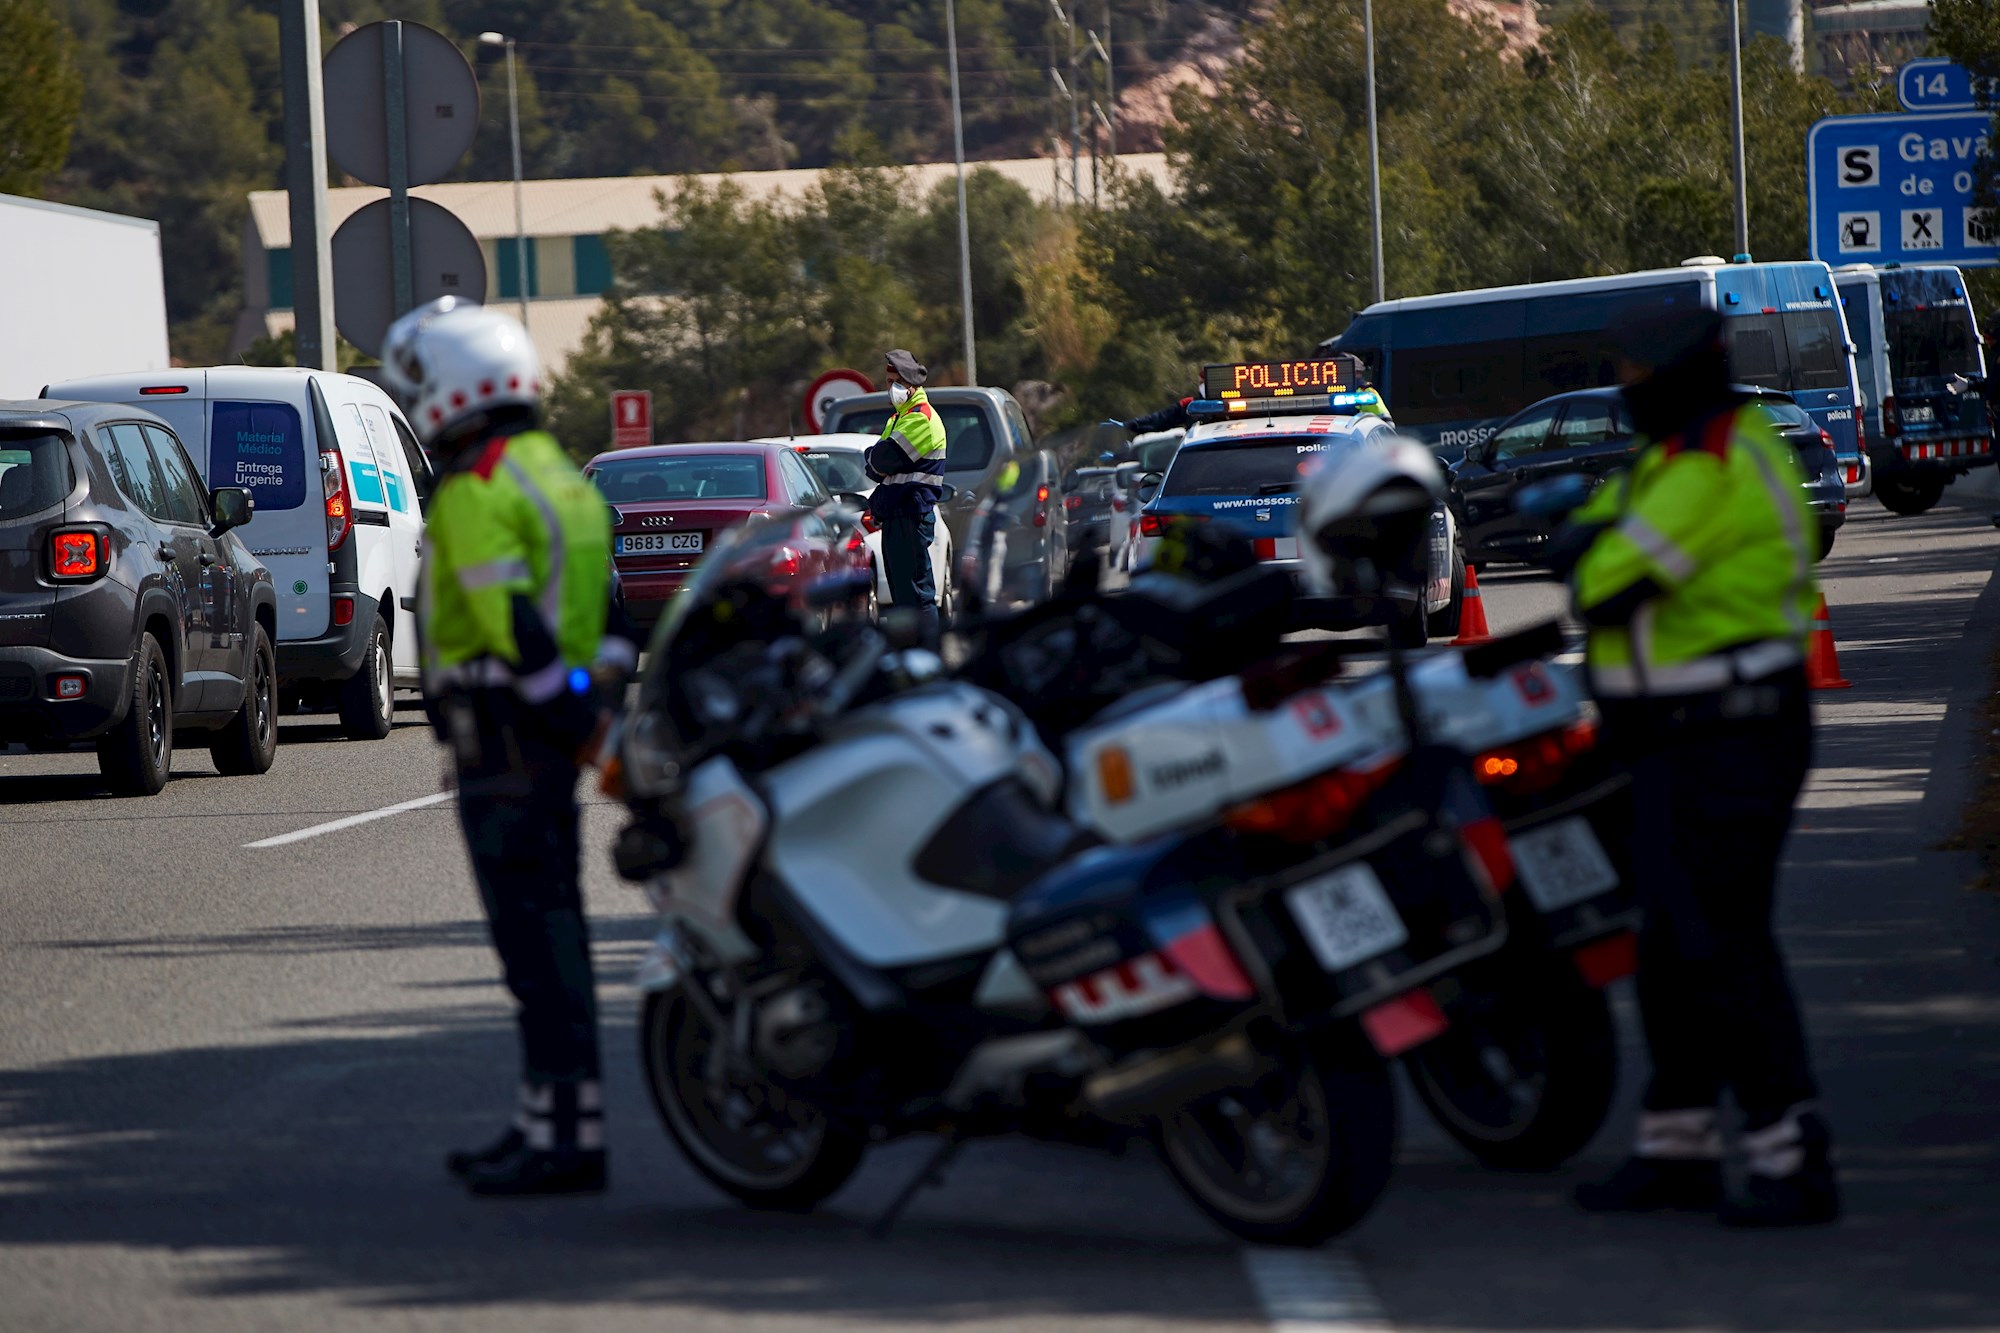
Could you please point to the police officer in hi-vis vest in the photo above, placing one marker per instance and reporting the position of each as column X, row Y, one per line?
column 1693, row 574
column 907, row 466
column 514, row 604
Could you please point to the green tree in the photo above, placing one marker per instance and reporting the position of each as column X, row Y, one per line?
column 40, row 93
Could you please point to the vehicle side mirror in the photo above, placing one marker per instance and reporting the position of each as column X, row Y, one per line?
column 232, row 507
column 947, row 493
column 854, row 498
column 1149, row 486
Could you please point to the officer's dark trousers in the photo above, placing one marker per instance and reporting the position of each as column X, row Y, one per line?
column 1713, row 781
column 517, row 805
column 906, row 561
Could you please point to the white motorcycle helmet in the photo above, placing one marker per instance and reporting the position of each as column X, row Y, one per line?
column 453, row 359
column 1365, row 516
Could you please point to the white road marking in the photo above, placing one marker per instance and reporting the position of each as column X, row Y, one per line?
column 1314, row 1291
column 335, row 826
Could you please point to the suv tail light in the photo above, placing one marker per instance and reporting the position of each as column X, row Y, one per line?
column 76, row 555
column 339, row 505
column 1151, row 525
column 1538, row 763
column 1312, row 809
column 1072, row 502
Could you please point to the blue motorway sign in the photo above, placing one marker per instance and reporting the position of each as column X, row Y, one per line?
column 1934, row 84
column 1897, row 189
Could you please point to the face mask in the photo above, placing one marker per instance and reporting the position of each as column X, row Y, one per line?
column 899, row 394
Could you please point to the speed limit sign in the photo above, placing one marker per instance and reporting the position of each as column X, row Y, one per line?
column 829, row 389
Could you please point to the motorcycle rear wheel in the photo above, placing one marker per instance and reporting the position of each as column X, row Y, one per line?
column 1525, row 1080
column 1297, row 1157
column 757, row 1141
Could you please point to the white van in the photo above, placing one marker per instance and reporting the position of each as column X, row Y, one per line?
column 340, row 485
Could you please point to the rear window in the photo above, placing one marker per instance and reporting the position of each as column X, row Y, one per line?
column 1264, row 468
column 968, row 439
column 34, row 472
column 260, row 447
column 838, row 469
column 1934, row 342
column 1787, row 416
column 681, row 477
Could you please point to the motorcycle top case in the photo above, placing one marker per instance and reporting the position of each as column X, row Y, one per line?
column 1474, row 713
column 1186, row 759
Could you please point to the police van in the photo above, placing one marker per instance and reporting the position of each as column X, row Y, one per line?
column 1257, row 431
column 339, row 483
column 1922, row 372
column 1454, row 366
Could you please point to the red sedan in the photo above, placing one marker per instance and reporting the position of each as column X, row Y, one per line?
column 672, row 500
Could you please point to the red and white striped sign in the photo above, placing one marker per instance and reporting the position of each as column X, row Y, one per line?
column 1959, row 448
column 1276, row 548
column 1136, row 986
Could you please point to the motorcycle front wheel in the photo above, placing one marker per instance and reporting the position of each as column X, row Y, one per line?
column 1524, row 1077
column 1294, row 1158
column 766, row 1145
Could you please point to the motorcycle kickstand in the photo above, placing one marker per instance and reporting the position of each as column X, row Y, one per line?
column 930, row 1173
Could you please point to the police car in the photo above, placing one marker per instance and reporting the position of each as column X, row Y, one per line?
column 1258, row 430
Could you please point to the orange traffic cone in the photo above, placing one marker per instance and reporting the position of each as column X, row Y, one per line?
column 1822, row 665
column 1472, row 626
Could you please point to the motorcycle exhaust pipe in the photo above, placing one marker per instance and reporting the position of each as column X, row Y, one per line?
column 1132, row 1093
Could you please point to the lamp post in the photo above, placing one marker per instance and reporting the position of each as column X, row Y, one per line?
column 964, row 233
column 520, row 211
column 1374, row 151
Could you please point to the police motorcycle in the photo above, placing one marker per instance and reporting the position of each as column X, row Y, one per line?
column 1523, row 1073
column 874, row 924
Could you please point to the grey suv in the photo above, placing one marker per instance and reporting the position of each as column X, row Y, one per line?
column 129, row 610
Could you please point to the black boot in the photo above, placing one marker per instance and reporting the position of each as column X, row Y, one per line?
column 558, row 1149
column 1649, row 1184
column 528, row 1171
column 462, row 1162
column 1791, row 1181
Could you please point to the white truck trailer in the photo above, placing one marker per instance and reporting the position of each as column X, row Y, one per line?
column 81, row 293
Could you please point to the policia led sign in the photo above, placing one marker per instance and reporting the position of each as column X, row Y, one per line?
column 1282, row 379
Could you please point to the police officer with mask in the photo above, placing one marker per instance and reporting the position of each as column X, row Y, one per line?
column 907, row 466
column 516, row 592
column 1693, row 573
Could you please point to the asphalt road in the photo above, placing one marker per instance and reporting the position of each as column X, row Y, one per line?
column 227, row 1075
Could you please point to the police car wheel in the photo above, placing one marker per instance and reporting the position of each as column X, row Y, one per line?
column 1907, row 497
column 1444, row 621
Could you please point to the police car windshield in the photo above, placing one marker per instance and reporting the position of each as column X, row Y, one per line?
column 839, row 469
column 689, row 476
column 968, row 439
column 1268, row 467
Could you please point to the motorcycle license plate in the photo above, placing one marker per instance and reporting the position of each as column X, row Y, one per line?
column 662, row 543
column 1346, row 917
column 1561, row 864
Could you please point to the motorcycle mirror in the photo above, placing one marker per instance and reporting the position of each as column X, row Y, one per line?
column 1554, row 498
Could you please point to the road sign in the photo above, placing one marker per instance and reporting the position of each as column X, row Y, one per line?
column 631, row 418
column 1937, row 85
column 1898, row 189
column 829, row 389
column 440, row 105
column 445, row 260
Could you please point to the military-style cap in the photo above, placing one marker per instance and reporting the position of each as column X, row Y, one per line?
column 912, row 370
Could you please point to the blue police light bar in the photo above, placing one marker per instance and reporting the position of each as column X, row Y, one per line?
column 1215, row 409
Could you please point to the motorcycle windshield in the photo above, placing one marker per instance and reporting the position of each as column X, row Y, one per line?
column 782, row 551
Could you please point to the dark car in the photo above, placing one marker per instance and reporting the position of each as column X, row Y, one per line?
column 670, row 501
column 1588, row 432
column 1094, row 497
column 129, row 612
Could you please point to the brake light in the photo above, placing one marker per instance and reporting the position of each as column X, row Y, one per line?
column 1118, row 506
column 343, row 610
column 1537, row 763
column 1312, row 809
column 1041, row 495
column 333, row 481
column 1041, row 518
column 71, row 687
column 1151, row 525
column 152, row 389
column 1892, row 425
column 1072, row 502
column 76, row 555
column 1826, row 440
column 786, row 562
column 869, row 522
column 856, row 543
